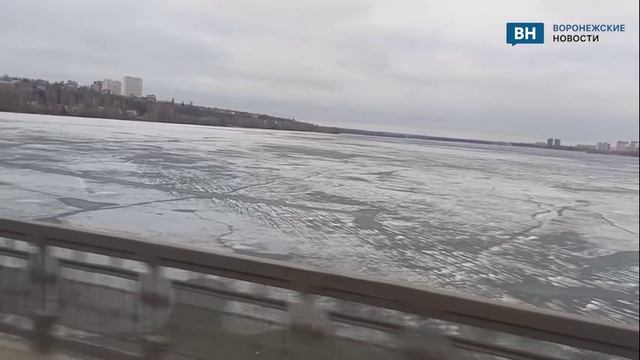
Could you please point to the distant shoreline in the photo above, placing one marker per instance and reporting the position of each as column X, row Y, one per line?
column 345, row 131
column 28, row 96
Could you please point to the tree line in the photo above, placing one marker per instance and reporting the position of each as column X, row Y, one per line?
column 59, row 98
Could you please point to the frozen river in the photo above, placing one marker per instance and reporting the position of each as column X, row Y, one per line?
column 551, row 228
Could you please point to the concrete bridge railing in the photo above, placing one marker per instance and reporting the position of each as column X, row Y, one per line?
column 119, row 297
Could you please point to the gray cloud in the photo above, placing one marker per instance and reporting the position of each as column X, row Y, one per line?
column 432, row 67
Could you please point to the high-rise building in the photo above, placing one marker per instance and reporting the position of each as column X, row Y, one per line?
column 113, row 87
column 556, row 143
column 132, row 86
column 604, row 146
column 633, row 145
column 550, row 142
column 622, row 145
column 97, row 86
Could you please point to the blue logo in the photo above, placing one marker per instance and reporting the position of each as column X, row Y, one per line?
column 525, row 33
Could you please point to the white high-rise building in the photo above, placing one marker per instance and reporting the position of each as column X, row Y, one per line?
column 603, row 146
column 112, row 87
column 132, row 86
column 622, row 145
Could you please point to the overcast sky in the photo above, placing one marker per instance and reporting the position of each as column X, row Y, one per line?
column 426, row 67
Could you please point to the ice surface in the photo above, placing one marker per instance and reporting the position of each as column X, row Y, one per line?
column 551, row 228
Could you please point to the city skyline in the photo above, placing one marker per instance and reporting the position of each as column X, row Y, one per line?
column 632, row 144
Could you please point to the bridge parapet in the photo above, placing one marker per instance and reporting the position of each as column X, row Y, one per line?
column 108, row 296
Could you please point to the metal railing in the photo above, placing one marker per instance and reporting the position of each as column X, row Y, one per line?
column 522, row 321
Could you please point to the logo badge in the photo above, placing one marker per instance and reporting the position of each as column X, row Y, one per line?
column 525, row 33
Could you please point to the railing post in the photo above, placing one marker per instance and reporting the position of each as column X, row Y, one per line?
column 153, row 313
column 307, row 330
column 44, row 270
